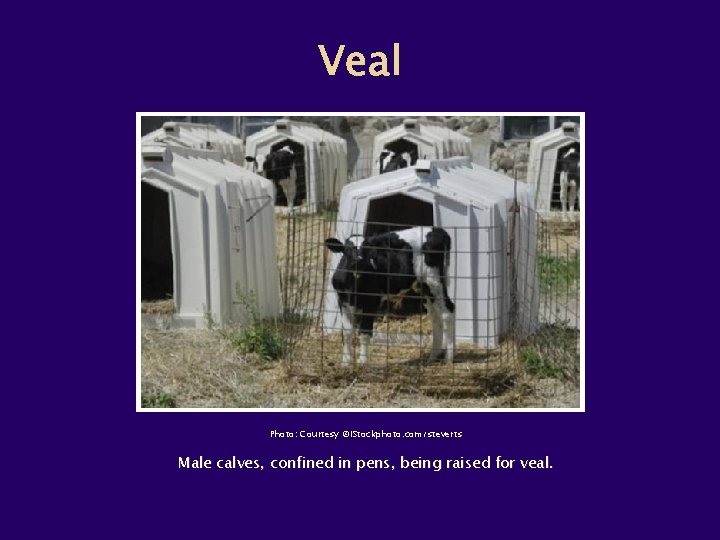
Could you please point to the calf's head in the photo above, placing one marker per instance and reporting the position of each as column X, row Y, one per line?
column 277, row 165
column 355, row 269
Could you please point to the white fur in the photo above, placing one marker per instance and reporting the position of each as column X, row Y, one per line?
column 289, row 186
column 568, row 193
column 443, row 322
column 348, row 330
column 387, row 159
column 364, row 341
column 568, row 190
column 572, row 194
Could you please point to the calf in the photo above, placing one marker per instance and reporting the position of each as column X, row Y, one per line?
column 390, row 161
column 569, row 164
column 279, row 166
column 388, row 264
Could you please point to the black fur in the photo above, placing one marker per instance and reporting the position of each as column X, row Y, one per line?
column 571, row 164
column 435, row 248
column 396, row 162
column 277, row 165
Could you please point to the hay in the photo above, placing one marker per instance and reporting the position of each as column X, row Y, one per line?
column 303, row 261
column 158, row 307
column 400, row 346
column 398, row 356
column 199, row 368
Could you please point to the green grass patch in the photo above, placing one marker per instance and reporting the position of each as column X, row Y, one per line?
column 259, row 338
column 539, row 365
column 552, row 352
column 158, row 400
column 559, row 274
column 295, row 318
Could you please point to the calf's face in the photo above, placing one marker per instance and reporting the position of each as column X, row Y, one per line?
column 396, row 163
column 278, row 164
column 352, row 270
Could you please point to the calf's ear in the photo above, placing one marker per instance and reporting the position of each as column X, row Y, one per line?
column 334, row 245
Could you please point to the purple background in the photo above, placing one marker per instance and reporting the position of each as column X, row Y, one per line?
column 82, row 462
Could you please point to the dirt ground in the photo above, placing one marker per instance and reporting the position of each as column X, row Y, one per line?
column 559, row 238
column 199, row 368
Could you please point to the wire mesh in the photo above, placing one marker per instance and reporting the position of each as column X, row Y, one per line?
column 517, row 311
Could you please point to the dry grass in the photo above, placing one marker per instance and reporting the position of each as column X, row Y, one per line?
column 158, row 307
column 198, row 368
column 559, row 237
column 303, row 259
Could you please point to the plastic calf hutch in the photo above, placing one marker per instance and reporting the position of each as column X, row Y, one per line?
column 322, row 158
column 199, row 137
column 543, row 171
column 492, row 261
column 207, row 235
column 421, row 139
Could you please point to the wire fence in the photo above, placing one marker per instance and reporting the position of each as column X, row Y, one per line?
column 517, row 303
column 516, row 288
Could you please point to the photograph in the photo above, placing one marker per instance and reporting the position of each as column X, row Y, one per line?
column 354, row 261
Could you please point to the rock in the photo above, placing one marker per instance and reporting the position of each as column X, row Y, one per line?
column 478, row 126
column 355, row 121
column 453, row 123
column 375, row 123
column 506, row 164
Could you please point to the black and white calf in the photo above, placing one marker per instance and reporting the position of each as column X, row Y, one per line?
column 569, row 164
column 389, row 264
column 390, row 161
column 279, row 166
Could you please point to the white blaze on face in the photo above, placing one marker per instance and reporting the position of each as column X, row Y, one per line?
column 356, row 240
column 386, row 159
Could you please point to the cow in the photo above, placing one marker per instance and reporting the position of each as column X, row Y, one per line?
column 391, row 263
column 569, row 164
column 390, row 161
column 279, row 166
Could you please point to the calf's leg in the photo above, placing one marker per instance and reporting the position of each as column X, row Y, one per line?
column 572, row 195
column 366, row 330
column 348, row 329
column 448, row 319
column 288, row 186
column 442, row 310
column 437, row 350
